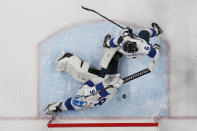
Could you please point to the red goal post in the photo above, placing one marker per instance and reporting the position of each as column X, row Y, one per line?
column 52, row 124
column 55, row 125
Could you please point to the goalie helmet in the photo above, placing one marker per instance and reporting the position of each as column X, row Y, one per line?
column 130, row 47
column 79, row 101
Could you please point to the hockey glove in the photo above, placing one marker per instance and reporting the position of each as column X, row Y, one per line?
column 107, row 38
column 127, row 32
column 113, row 80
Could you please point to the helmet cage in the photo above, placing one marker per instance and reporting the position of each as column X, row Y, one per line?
column 130, row 47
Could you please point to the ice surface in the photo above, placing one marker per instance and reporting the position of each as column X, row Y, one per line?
column 145, row 95
column 25, row 23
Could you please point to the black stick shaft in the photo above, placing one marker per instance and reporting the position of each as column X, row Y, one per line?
column 136, row 75
column 126, row 79
column 102, row 16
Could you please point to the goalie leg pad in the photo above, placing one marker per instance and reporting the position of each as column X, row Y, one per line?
column 75, row 67
column 62, row 59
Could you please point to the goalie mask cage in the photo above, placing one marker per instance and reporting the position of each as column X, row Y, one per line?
column 135, row 125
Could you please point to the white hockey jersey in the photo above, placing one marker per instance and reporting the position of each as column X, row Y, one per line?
column 144, row 48
column 99, row 95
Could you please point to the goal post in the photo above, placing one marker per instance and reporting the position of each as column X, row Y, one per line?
column 138, row 125
column 56, row 125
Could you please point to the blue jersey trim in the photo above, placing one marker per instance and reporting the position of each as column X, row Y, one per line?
column 102, row 93
column 68, row 104
column 89, row 83
column 154, row 32
column 112, row 43
column 152, row 52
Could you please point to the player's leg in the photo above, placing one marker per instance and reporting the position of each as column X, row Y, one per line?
column 94, row 71
column 109, row 63
column 113, row 65
column 151, row 32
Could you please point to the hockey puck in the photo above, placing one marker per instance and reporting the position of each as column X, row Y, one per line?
column 124, row 96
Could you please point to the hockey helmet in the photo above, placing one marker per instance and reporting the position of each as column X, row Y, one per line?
column 79, row 101
column 130, row 47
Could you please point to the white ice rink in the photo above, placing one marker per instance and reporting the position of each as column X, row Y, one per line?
column 24, row 24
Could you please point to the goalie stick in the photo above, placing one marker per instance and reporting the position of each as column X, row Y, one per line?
column 131, row 77
column 126, row 79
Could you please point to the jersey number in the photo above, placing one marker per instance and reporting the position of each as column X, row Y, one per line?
column 93, row 92
column 101, row 101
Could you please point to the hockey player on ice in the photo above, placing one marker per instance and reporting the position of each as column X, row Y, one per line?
column 99, row 86
column 135, row 46
column 93, row 92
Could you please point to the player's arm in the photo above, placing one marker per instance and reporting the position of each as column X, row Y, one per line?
column 72, row 103
column 153, row 54
column 114, row 42
column 153, row 51
column 111, row 41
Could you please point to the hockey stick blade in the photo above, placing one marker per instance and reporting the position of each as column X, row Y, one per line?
column 85, row 8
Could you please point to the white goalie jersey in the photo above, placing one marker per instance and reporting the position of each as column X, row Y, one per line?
column 94, row 93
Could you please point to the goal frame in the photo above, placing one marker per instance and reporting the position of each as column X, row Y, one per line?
column 127, row 124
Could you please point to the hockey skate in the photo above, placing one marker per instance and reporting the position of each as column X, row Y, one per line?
column 52, row 108
column 155, row 25
column 107, row 37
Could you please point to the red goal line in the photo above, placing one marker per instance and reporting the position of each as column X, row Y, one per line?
column 53, row 125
